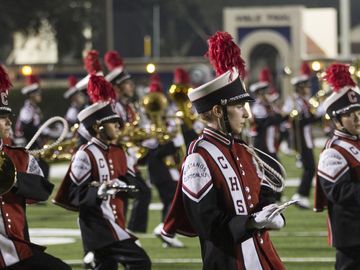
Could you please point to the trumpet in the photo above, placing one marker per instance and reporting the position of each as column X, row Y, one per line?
column 7, row 173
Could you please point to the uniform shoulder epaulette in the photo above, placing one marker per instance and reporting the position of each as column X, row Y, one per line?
column 194, row 145
column 15, row 147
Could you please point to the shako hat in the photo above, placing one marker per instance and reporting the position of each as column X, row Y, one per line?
column 92, row 66
column 32, row 85
column 5, row 85
column 115, row 65
column 346, row 95
column 72, row 87
column 227, row 88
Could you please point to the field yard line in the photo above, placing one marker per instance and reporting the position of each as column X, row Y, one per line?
column 53, row 232
column 198, row 261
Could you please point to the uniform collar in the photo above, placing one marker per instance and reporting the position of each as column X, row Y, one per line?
column 217, row 135
column 1, row 144
column 99, row 143
column 346, row 135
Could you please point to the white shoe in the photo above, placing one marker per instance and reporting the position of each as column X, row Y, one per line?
column 158, row 228
column 302, row 201
column 172, row 242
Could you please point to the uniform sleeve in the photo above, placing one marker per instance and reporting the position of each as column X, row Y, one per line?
column 201, row 201
column 32, row 184
column 81, row 192
column 335, row 179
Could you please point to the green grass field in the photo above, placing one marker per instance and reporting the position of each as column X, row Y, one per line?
column 302, row 244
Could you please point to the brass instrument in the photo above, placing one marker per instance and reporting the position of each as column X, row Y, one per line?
column 7, row 173
column 62, row 152
column 155, row 105
column 178, row 94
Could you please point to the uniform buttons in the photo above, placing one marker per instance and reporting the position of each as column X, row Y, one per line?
column 114, row 212
column 110, row 161
column 237, row 158
column 247, row 189
column 112, row 171
column 9, row 220
column 249, row 197
column 2, row 203
column 261, row 241
column 251, row 205
column 9, row 226
column 6, row 214
column 258, row 234
column 113, row 206
column 111, row 166
column 243, row 172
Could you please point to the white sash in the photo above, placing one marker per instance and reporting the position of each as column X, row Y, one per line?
column 101, row 163
column 104, row 174
column 229, row 174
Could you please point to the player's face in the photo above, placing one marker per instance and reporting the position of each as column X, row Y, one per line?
column 112, row 130
column 237, row 117
column 5, row 126
column 351, row 121
column 128, row 88
column 36, row 97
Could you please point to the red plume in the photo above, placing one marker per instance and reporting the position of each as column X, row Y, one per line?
column 31, row 79
column 155, row 84
column 338, row 76
column 224, row 54
column 5, row 83
column 72, row 81
column 91, row 61
column 181, row 76
column 305, row 69
column 113, row 60
column 265, row 75
column 99, row 89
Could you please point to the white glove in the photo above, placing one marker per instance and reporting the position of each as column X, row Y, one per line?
column 265, row 219
column 110, row 188
column 178, row 140
column 150, row 143
column 288, row 106
column 276, row 223
column 320, row 111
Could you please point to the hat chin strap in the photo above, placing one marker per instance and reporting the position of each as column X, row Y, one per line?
column 227, row 125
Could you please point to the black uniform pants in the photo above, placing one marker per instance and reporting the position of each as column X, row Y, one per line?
column 126, row 252
column 140, row 207
column 40, row 261
column 308, row 162
column 348, row 258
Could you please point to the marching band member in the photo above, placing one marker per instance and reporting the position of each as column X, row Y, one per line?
column 30, row 118
column 338, row 174
column 191, row 127
column 219, row 196
column 16, row 250
column 163, row 177
column 77, row 101
column 267, row 120
column 302, row 135
column 125, row 91
column 97, row 171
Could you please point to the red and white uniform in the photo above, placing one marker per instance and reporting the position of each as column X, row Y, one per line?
column 220, row 188
column 15, row 244
column 102, row 222
column 338, row 188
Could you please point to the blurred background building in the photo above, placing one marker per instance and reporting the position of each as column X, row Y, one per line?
column 49, row 38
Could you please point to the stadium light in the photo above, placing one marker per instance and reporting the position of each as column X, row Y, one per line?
column 150, row 68
column 26, row 70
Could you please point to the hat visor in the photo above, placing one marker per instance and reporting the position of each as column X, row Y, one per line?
column 240, row 99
